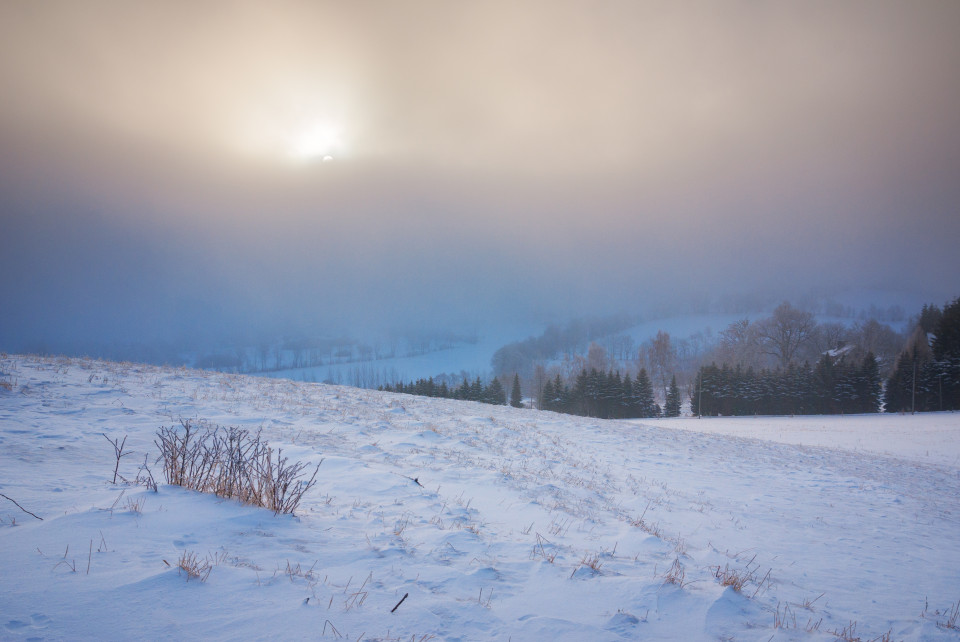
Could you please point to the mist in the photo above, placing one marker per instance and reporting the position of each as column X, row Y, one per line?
column 492, row 164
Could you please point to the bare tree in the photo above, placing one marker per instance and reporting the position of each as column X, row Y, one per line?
column 740, row 344
column 829, row 336
column 539, row 378
column 597, row 358
column 881, row 340
column 662, row 357
column 620, row 346
column 786, row 332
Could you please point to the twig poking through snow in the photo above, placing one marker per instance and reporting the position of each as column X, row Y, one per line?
column 415, row 480
column 400, row 602
column 118, row 451
column 20, row 507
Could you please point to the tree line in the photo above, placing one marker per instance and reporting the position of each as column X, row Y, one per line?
column 608, row 395
column 835, row 385
column 927, row 373
column 492, row 393
column 592, row 394
column 765, row 369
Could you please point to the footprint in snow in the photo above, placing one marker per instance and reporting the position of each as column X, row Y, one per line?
column 36, row 621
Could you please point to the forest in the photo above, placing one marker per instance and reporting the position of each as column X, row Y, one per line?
column 786, row 364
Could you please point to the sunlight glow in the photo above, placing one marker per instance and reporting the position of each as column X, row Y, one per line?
column 317, row 142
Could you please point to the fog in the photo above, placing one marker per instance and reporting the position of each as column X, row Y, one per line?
column 192, row 173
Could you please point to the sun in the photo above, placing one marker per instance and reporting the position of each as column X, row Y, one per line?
column 317, row 141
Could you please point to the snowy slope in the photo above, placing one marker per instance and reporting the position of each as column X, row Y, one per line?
column 926, row 438
column 515, row 508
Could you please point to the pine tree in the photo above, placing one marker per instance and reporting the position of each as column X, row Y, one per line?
column 613, row 395
column 627, row 406
column 495, row 394
column 644, row 393
column 910, row 387
column 845, row 388
column 673, row 399
column 577, row 398
column 516, row 397
column 695, row 393
column 547, row 401
column 871, row 384
column 946, row 351
column 824, row 376
column 930, row 318
column 896, row 395
column 561, row 395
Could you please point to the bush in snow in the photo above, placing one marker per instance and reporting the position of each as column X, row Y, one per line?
column 233, row 463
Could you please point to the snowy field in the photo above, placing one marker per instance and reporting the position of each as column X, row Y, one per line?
column 931, row 438
column 527, row 526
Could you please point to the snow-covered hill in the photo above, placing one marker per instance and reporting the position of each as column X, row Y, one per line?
column 521, row 525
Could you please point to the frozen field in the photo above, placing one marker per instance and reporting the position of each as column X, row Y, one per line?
column 527, row 526
column 928, row 438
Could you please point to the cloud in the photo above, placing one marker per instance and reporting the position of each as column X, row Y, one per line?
column 499, row 159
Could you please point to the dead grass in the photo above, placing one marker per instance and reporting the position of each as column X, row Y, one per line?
column 539, row 550
column 135, row 505
column 732, row 577
column 787, row 619
column 738, row 579
column 233, row 463
column 591, row 561
column 951, row 613
column 675, row 574
column 849, row 634
column 193, row 566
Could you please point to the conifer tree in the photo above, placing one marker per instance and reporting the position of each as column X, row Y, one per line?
column 673, row 399
column 547, row 398
column 494, row 393
column 627, row 406
column 824, row 376
column 871, row 384
column 696, row 393
column 612, row 396
column 561, row 396
column 644, row 392
column 463, row 392
column 946, row 352
column 516, row 397
column 476, row 390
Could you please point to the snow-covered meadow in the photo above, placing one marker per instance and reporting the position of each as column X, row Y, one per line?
column 495, row 523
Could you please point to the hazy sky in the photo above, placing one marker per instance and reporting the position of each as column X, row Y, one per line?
column 205, row 167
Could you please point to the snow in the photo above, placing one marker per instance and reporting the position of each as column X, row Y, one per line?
column 924, row 438
column 528, row 525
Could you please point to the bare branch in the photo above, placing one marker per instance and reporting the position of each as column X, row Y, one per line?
column 20, row 507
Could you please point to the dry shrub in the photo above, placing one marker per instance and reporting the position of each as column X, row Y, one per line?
column 233, row 463
column 589, row 561
column 191, row 564
column 732, row 577
column 675, row 574
column 953, row 615
column 738, row 579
